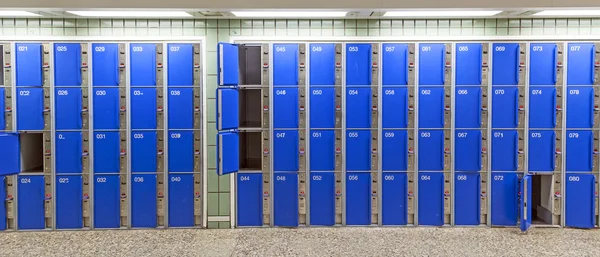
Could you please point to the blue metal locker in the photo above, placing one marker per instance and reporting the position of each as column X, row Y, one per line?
column 181, row 64
column 181, row 108
column 394, row 198
column 542, row 145
column 30, row 202
column 580, row 149
column 107, row 152
column 358, row 64
column 143, row 64
column 394, row 152
column 432, row 64
column 285, row 65
column 249, row 200
column 105, row 64
column 395, row 107
column 106, row 108
column 143, row 151
column 285, row 199
column 581, row 64
column 69, row 207
column 431, row 198
column 358, row 198
column 69, row 152
column 322, row 64
column 505, row 107
column 227, row 108
column 322, row 150
column 285, row 108
column 525, row 206
column 542, row 107
column 358, row 107
column 580, row 201
column 467, row 150
column 505, row 63
column 394, row 64
column 358, row 150
column 323, row 100
column 181, row 151
column 285, row 150
column 228, row 147
column 542, row 64
column 431, row 107
column 181, row 200
column 466, row 204
column 468, row 63
column 322, row 198
column 29, row 64
column 505, row 145
column 143, row 201
column 143, row 108
column 580, row 107
column 67, row 64
column 431, row 143
column 68, row 104
column 2, row 206
column 2, row 110
column 30, row 109
column 107, row 200
column 10, row 154
column 468, row 107
column 504, row 198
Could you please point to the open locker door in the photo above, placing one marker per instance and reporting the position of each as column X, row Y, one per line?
column 227, row 109
column 526, row 203
column 10, row 156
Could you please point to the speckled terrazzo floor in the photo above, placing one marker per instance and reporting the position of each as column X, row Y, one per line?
column 305, row 242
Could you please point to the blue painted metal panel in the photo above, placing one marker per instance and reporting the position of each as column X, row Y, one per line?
column 2, row 110
column 105, row 64
column 10, row 154
column 394, row 198
column 394, row 64
column 2, row 206
column 580, row 149
column 69, row 152
column 107, row 152
column 505, row 145
column 228, row 159
column 580, row 201
column 181, row 108
column 227, row 109
column 181, row 200
column 322, row 150
column 505, row 107
column 69, row 206
column 29, row 64
column 542, row 153
column 323, row 100
column 542, row 63
column 580, row 107
column 143, row 108
column 431, row 107
column 30, row 202
column 107, row 201
column 181, row 151
column 322, row 199
column 358, row 198
column 526, row 202
column 468, row 63
column 30, row 106
column 358, row 64
column 542, row 107
column 285, row 150
column 249, row 200
column 68, row 104
column 504, row 198
column 432, row 64
column 581, row 59
column 431, row 198
column 505, row 63
column 143, row 151
column 467, row 150
column 322, row 64
column 358, row 107
column 394, row 152
column 431, row 144
column 67, row 64
column 227, row 63
column 143, row 201
column 395, row 107
column 285, row 199
column 142, row 64
column 285, row 108
column 106, row 108
column 358, row 150
column 466, row 204
column 468, row 107
column 285, row 65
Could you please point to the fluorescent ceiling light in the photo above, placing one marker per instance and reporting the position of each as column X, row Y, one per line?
column 288, row 14
column 131, row 13
column 568, row 13
column 440, row 13
column 17, row 13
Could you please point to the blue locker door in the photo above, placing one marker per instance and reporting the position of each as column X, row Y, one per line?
column 322, row 150
column 285, row 150
column 30, row 106
column 431, row 143
column 29, row 64
column 10, row 154
column 107, row 201
column 106, row 108
column 542, row 145
column 358, row 64
column 468, row 64
column 107, row 152
column 505, row 60
column 285, row 65
column 525, row 203
column 2, row 206
column 505, row 107
column 67, row 64
column 143, row 64
column 68, row 108
column 143, row 201
column 181, row 151
column 2, row 110
column 466, row 204
column 432, row 58
column 322, row 63
column 143, row 108
column 504, row 150
column 322, row 199
column 358, row 107
column 394, row 198
column 285, row 199
column 580, row 201
column 181, row 108
column 181, row 200
column 542, row 64
column 431, row 107
column 504, row 198
column 228, row 147
column 181, row 64
column 285, row 108
column 227, row 109
column 581, row 63
column 358, row 150
column 468, row 107
column 580, row 107
column 395, row 107
column 105, row 64
column 249, row 200
column 358, row 198
column 30, row 202
column 394, row 151
column 69, row 207
column 69, row 152
column 394, row 64
column 143, row 151
column 542, row 107
column 580, row 148
column 467, row 150
column 431, row 198
column 323, row 100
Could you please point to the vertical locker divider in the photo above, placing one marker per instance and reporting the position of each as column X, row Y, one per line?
column 416, row 135
column 204, row 148
column 488, row 189
column 343, row 131
column 15, row 177
column 53, row 133
column 452, row 133
column 380, row 135
column 563, row 168
column 165, row 133
column 92, row 178
column 307, row 130
column 271, row 138
column 128, row 132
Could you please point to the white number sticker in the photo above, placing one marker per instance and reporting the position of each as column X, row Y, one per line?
column 25, row 180
column 573, row 135
column 500, row 48
column 574, row 92
column 499, row 92
column 353, row 49
column 425, row 177
column 100, row 136
column 101, row 179
column 316, row 134
column 463, row 48
column 317, row 92
column 62, row 92
column 174, row 49
column 390, row 48
column 463, row 91
column 280, row 92
column 280, row 135
column 61, row 48
column 22, row 48
column 462, row 134
column 100, row 92
column 461, row 177
column 575, row 48
column 353, row 134
column 574, row 178
column 389, row 177
column 138, row 179
column 138, row 136
column 498, row 134
column 317, row 177
column 99, row 49
column 353, row 177
column 425, row 134
column 498, row 177
column 426, row 92
column 389, row 134
column 137, row 49
column 280, row 178
column 24, row 92
column 537, row 48
column 536, row 135
column 175, row 92
column 390, row 92
column 175, row 135
column 426, row 48
column 138, row 92
column 536, row 92
column 63, row 180
column 175, row 179
column 353, row 92
column 280, row 49
column 317, row 49
column 244, row 178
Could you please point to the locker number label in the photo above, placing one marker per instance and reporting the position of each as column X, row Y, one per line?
column 573, row 135
column 388, row 134
column 280, row 92
column 316, row 134
column 101, row 179
column 461, row 177
column 500, row 48
column 353, row 92
column 537, row 48
column 175, row 179
column 536, row 135
column 353, row 177
column 498, row 177
column 280, row 49
column 353, row 134
column 317, row 92
column 499, row 92
column 244, row 178
column 498, row 134
column 138, row 179
column 61, row 48
column 25, row 180
column 390, row 92
column 425, row 177
column 62, row 92
column 536, row 92
column 574, row 92
column 389, row 177
column 463, row 48
column 280, row 178
column 353, row 49
column 22, row 48
column 100, row 136
column 425, row 134
column 462, row 134
column 61, row 136
column 137, row 49
column 426, row 48
column 175, row 135
column 138, row 136
column 317, row 177
column 138, row 92
column 63, row 180
column 280, row 135
column 175, row 92
column 99, row 49
column 100, row 92
column 317, row 49
column 575, row 48
column 426, row 92
column 574, row 178
column 463, row 92
column 174, row 49
column 24, row 93
column 390, row 48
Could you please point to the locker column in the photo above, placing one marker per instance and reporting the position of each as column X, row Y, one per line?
column 7, row 189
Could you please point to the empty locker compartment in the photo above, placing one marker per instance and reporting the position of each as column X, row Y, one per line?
column 181, row 151
column 431, row 198
column 143, row 108
column 68, row 108
column 394, row 198
column 30, row 202
column 580, row 201
column 358, row 198
column 251, row 151
column 505, row 63
column 181, row 200
column 249, row 200
column 542, row 64
column 181, row 108
column 3, row 216
column 431, row 144
column 323, row 100
column 32, row 152
column 69, row 207
column 468, row 64
column 358, row 107
column 542, row 107
column 358, row 150
column 180, row 60
column 105, row 64
column 285, row 65
column 143, row 64
column 467, row 150
column 394, row 64
column 69, row 152
column 468, row 107
column 542, row 199
column 106, row 108
column 30, row 109
column 505, row 107
column 285, row 108
column 143, row 151
column 358, row 64
column 143, row 201
column 29, row 64
column 251, row 108
column 431, row 107
column 394, row 150
column 542, row 149
column 107, row 152
column 467, row 188
column 505, row 150
column 67, row 64
column 3, row 109
column 322, row 64
column 250, row 64
column 285, row 150
column 580, row 58
column 580, row 107
column 107, row 201
column 504, row 198
column 10, row 154
column 432, row 64
column 285, row 199
column 322, row 199
column 322, row 150
column 580, row 149
column 395, row 107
